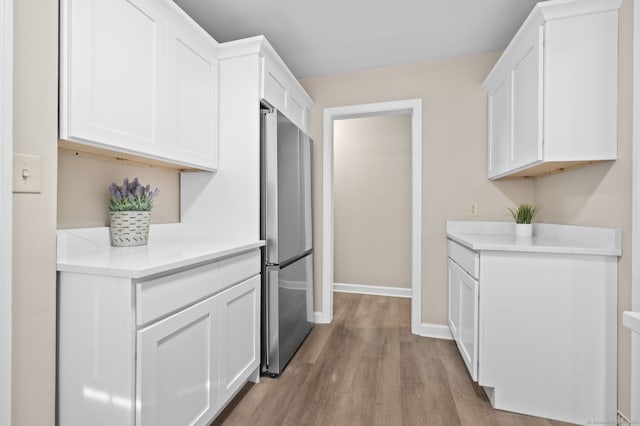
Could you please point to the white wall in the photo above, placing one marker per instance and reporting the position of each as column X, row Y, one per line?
column 83, row 195
column 372, row 201
column 454, row 152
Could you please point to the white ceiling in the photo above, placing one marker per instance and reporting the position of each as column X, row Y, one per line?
column 333, row 36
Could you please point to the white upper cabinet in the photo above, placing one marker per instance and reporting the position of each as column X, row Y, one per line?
column 280, row 89
column 192, row 122
column 138, row 77
column 111, row 80
column 552, row 95
column 277, row 86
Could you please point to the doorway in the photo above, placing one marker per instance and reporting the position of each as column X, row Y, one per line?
column 372, row 205
column 413, row 107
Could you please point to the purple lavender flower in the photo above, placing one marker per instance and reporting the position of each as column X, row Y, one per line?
column 131, row 196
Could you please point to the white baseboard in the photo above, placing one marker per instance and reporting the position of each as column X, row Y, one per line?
column 435, row 331
column 374, row 290
column 318, row 318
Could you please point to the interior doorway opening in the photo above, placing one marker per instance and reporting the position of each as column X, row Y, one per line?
column 413, row 107
column 372, row 205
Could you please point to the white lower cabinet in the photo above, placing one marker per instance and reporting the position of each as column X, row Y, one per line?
column 464, row 315
column 537, row 330
column 177, row 367
column 239, row 335
column 165, row 350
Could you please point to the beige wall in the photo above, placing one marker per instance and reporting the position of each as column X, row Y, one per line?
column 34, row 215
column 600, row 195
column 83, row 195
column 372, row 201
column 454, row 126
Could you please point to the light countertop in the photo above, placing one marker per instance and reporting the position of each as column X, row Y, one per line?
column 89, row 251
column 547, row 238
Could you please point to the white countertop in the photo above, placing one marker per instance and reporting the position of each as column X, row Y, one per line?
column 89, row 251
column 547, row 238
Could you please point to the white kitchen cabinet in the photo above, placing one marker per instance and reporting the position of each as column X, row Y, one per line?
column 535, row 319
column 192, row 116
column 526, row 101
column 177, row 367
column 281, row 90
column 499, row 127
column 463, row 315
column 552, row 95
column 240, row 335
column 463, row 265
column 113, row 82
column 147, row 89
column 453, row 315
column 170, row 348
column 277, row 86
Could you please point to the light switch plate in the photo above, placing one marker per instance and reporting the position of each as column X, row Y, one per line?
column 27, row 176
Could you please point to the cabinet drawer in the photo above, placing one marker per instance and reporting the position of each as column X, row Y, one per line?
column 469, row 260
column 161, row 296
column 239, row 268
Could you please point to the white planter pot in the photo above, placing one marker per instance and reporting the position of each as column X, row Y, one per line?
column 129, row 229
column 524, row 230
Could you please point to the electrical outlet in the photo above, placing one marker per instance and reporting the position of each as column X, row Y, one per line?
column 27, row 176
column 472, row 208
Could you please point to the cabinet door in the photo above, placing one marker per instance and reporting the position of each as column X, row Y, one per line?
column 112, row 78
column 526, row 83
column 177, row 368
column 499, row 128
column 468, row 334
column 192, row 98
column 465, row 288
column 239, row 335
column 454, row 300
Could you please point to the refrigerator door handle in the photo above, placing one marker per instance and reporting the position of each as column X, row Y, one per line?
column 271, row 356
column 265, row 336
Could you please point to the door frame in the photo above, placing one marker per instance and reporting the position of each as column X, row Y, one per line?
column 6, row 196
column 414, row 108
column 635, row 220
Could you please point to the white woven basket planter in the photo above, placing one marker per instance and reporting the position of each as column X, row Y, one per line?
column 129, row 228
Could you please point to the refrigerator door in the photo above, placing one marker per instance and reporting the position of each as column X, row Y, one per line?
column 286, row 200
column 269, row 184
column 289, row 314
column 291, row 236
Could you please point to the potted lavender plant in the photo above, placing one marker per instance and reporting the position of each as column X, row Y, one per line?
column 130, row 212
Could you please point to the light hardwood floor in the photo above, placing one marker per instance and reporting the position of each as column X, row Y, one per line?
column 366, row 368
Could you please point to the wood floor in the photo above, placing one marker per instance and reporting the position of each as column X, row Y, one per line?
column 366, row 368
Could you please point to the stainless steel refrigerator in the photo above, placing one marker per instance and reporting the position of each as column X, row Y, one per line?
column 286, row 227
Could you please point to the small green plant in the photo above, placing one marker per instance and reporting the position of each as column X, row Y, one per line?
column 524, row 213
column 131, row 196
